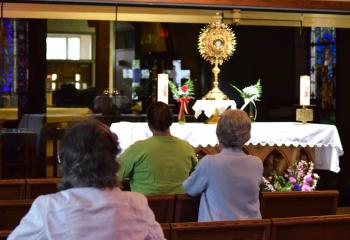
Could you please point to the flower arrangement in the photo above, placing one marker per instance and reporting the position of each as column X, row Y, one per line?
column 298, row 177
column 182, row 94
column 250, row 94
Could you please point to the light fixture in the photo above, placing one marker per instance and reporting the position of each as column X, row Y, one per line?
column 54, row 77
column 77, row 77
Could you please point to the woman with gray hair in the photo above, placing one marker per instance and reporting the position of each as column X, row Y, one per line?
column 228, row 181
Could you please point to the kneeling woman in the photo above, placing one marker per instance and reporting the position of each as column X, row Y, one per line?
column 228, row 181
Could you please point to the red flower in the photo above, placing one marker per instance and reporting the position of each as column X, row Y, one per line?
column 184, row 88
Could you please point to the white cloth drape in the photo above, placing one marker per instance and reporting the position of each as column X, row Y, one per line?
column 324, row 138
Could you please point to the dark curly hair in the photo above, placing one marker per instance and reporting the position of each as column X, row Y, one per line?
column 88, row 153
column 159, row 116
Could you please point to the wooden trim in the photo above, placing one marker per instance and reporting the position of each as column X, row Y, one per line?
column 59, row 11
column 304, row 5
column 175, row 15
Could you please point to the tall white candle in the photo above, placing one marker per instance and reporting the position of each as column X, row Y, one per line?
column 305, row 90
column 163, row 93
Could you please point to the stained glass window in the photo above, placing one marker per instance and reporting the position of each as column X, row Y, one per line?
column 6, row 56
column 323, row 78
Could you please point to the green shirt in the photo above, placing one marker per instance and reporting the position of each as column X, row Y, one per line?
column 158, row 165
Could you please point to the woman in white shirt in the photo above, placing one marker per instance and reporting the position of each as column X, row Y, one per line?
column 89, row 205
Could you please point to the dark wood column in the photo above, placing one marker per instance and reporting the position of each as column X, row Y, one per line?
column 342, row 110
column 102, row 54
column 31, row 88
column 31, row 69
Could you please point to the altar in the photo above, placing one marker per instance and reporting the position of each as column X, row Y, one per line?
column 319, row 143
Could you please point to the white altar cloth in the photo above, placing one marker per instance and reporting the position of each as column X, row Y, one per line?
column 210, row 106
column 324, row 138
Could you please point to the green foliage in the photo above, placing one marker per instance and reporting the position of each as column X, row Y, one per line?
column 252, row 92
column 186, row 90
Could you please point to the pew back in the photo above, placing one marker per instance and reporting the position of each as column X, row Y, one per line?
column 163, row 207
column 186, row 208
column 166, row 230
column 335, row 227
column 12, row 189
column 296, row 204
column 11, row 212
column 4, row 234
column 40, row 186
column 223, row 230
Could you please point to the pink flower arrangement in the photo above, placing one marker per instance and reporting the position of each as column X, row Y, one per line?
column 298, row 177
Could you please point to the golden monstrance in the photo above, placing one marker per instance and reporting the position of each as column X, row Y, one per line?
column 216, row 44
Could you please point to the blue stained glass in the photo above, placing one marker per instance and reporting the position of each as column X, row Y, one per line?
column 7, row 57
column 323, row 63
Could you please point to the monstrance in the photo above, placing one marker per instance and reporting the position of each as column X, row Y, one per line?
column 216, row 44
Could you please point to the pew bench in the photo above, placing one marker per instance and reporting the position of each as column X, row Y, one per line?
column 12, row 189
column 223, row 230
column 12, row 211
column 295, row 204
column 328, row 227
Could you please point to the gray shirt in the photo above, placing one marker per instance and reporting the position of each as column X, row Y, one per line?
column 229, row 183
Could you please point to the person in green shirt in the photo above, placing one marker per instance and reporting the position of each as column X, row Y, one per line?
column 159, row 164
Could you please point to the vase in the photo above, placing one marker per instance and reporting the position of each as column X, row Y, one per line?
column 251, row 112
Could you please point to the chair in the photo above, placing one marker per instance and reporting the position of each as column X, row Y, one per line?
column 186, row 208
column 11, row 212
column 224, row 230
column 296, row 204
column 17, row 153
column 12, row 189
column 335, row 227
column 163, row 207
column 40, row 186
column 52, row 137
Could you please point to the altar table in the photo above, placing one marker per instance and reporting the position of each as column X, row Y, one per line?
column 321, row 142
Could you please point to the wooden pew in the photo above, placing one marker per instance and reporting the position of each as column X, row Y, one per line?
column 11, row 212
column 296, row 204
column 224, row 230
column 186, row 208
column 40, row 186
column 328, row 227
column 4, row 234
column 12, row 189
column 163, row 207
column 166, row 230
column 125, row 185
